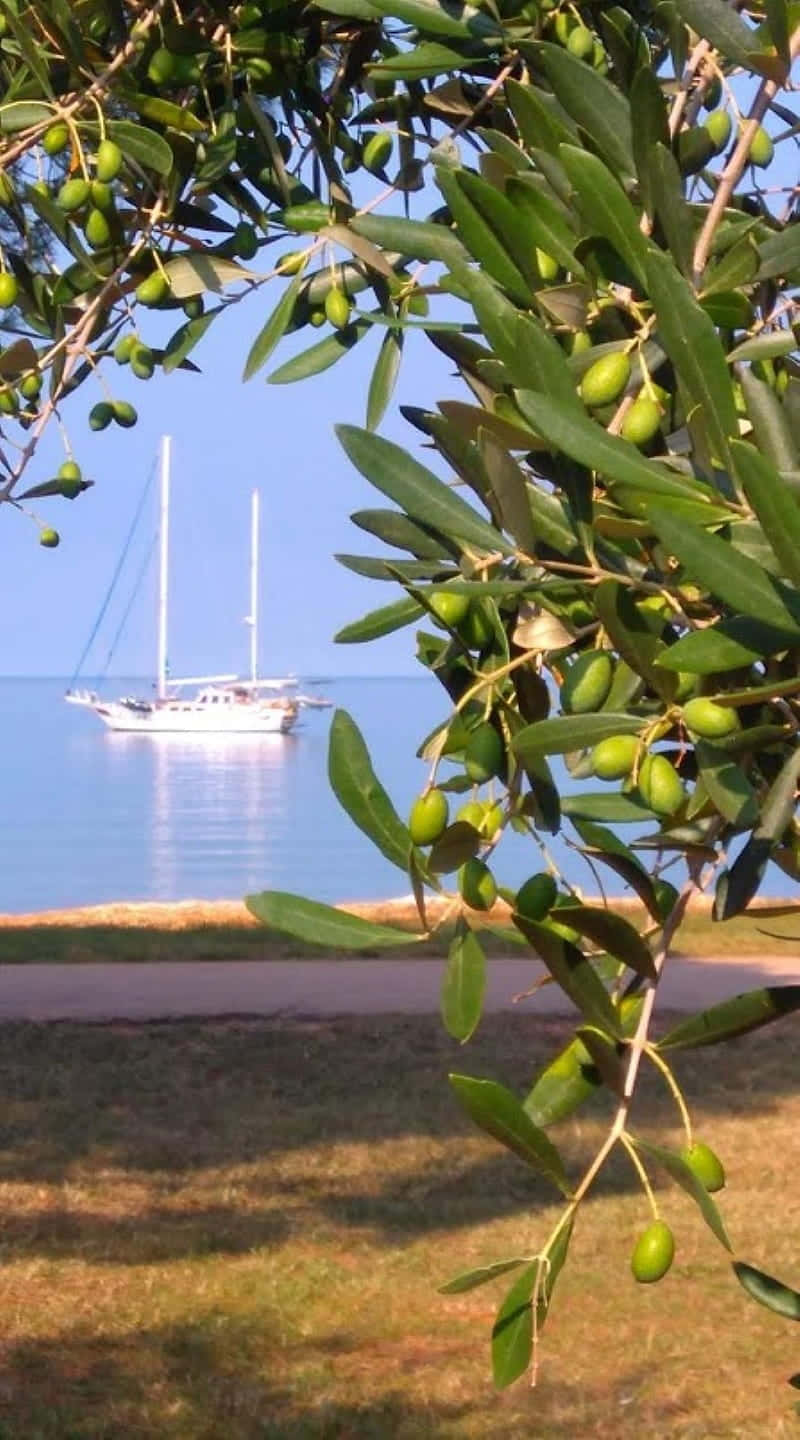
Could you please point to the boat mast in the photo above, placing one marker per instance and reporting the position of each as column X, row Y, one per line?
column 163, row 569
column 253, row 616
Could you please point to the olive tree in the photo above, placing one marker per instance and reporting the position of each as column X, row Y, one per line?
column 606, row 561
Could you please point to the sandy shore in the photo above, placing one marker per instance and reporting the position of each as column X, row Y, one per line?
column 188, row 914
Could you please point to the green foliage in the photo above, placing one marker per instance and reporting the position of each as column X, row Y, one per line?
column 605, row 543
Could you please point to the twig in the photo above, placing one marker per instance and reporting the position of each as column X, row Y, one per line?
column 698, row 55
column 636, row 1045
column 735, row 166
column 73, row 346
column 88, row 95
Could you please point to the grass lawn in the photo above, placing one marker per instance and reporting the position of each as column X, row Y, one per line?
column 235, row 1231
column 190, row 934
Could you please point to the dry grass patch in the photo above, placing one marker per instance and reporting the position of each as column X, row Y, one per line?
column 236, row 1230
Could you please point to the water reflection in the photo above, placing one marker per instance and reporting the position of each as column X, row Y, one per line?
column 215, row 807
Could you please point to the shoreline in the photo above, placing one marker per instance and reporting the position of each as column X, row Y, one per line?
column 192, row 914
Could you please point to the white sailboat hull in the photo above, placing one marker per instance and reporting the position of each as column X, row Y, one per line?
column 186, row 718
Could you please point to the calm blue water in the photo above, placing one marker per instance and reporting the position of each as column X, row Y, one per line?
column 88, row 817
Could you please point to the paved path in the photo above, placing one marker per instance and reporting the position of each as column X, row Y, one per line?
column 327, row 987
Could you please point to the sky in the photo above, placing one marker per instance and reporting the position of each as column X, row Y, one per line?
column 227, row 438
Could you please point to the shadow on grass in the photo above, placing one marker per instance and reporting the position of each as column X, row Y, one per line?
column 150, row 1235
column 165, row 1105
column 183, row 1381
column 206, row 1381
column 147, row 944
column 326, row 1150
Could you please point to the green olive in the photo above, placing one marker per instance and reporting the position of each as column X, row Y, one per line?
column 537, row 896
column 719, row 126
column 580, row 42
column 695, row 149
column 687, row 684
column 142, row 361
column 337, row 308
column 477, row 885
column 291, row 263
column 471, row 814
column 123, row 348
column 125, row 414
column 605, row 381
column 448, row 607
column 660, row 786
column 101, row 415
column 73, row 195
column 493, row 817
column 476, row 629
column 667, row 897
column 377, row 152
column 653, row 1253
column 709, row 720
column 108, row 161
column 97, row 229
column 101, row 195
column 9, row 290
column 614, row 758
column 587, row 683
column 642, row 421
column 484, row 754
column 428, row 817
column 153, row 289
column 599, row 58
column 55, row 138
column 161, row 67
column 563, row 25
column 705, row 1165
column 762, row 149
column 31, row 387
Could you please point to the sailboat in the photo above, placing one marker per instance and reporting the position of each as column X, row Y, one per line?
column 220, row 704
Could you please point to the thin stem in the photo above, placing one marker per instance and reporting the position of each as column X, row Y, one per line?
column 488, row 94
column 641, row 1172
column 661, row 1064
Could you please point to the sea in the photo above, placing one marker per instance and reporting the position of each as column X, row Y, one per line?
column 90, row 817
